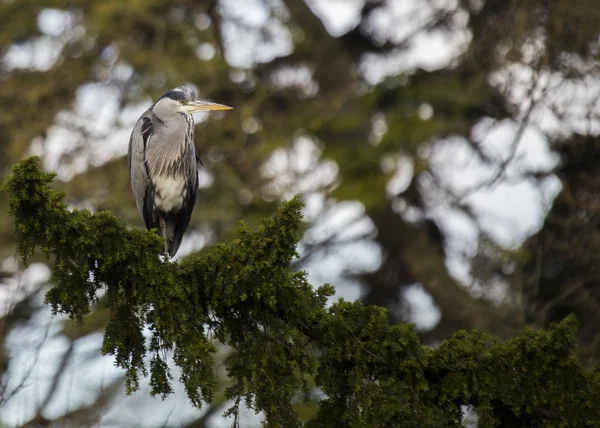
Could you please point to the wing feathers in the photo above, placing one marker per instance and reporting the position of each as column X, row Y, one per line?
column 138, row 172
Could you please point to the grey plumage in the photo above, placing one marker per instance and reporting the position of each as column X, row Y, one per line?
column 163, row 164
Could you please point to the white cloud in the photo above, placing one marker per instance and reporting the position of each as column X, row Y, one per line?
column 562, row 106
column 338, row 16
column 252, row 32
column 504, row 202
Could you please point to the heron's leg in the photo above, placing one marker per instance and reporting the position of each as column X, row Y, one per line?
column 163, row 233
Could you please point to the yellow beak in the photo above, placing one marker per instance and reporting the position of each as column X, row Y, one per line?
column 196, row 106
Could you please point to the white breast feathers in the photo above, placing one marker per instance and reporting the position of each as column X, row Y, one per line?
column 169, row 193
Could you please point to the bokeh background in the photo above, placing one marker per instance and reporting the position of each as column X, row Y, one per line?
column 446, row 150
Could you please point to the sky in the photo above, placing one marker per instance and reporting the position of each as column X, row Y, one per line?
column 509, row 210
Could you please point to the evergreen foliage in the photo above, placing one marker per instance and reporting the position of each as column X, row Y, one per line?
column 283, row 334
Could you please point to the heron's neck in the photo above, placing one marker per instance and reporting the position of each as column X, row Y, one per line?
column 172, row 138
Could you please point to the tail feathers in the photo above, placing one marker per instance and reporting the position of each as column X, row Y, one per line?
column 174, row 236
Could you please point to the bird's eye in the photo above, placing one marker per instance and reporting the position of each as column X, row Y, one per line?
column 181, row 101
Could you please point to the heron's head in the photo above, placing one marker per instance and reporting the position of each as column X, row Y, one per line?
column 183, row 100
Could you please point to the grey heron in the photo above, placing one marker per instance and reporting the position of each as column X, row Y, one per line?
column 163, row 164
